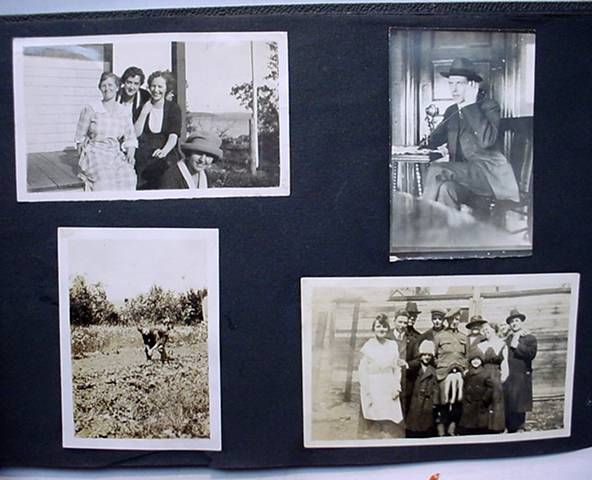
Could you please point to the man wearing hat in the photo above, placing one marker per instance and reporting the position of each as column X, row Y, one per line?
column 399, row 335
column 200, row 150
column 437, row 314
column 413, row 313
column 451, row 363
column 522, row 349
column 477, row 170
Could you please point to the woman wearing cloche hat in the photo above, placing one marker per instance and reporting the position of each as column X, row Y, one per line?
column 200, row 150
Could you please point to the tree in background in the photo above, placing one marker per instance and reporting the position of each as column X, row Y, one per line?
column 192, row 306
column 153, row 307
column 89, row 304
column 268, row 106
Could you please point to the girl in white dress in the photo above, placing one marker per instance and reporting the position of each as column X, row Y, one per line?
column 379, row 375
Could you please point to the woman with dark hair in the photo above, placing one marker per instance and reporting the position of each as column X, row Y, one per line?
column 106, row 141
column 158, row 128
column 379, row 375
column 131, row 94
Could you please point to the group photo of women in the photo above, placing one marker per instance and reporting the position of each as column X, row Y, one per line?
column 152, row 116
column 131, row 138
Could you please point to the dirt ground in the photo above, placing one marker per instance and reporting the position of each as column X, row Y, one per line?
column 334, row 419
column 118, row 393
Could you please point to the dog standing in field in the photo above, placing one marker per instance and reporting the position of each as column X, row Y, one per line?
column 156, row 339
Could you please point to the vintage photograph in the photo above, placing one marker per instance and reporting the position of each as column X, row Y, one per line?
column 437, row 360
column 462, row 106
column 139, row 318
column 151, row 116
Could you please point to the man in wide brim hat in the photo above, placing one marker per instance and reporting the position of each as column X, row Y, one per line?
column 463, row 67
column 477, row 169
column 200, row 150
column 514, row 313
column 522, row 350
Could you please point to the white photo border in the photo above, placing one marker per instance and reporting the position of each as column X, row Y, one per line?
column 308, row 285
column 210, row 237
column 20, row 128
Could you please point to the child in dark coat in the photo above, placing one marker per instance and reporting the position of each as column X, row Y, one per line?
column 420, row 417
column 477, row 396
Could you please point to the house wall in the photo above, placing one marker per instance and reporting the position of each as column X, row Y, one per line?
column 55, row 89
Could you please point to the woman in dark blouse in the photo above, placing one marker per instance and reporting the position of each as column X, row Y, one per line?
column 158, row 128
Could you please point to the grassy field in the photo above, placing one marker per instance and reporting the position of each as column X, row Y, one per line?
column 117, row 393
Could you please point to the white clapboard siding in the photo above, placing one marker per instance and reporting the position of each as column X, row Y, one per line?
column 55, row 91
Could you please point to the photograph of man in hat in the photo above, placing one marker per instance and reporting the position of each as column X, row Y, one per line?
column 522, row 349
column 477, row 169
column 462, row 114
column 199, row 151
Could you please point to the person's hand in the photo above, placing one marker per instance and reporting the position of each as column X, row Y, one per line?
column 396, row 392
column 159, row 153
column 402, row 363
column 471, row 93
column 79, row 148
column 129, row 157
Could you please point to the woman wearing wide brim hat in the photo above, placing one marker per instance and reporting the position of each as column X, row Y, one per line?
column 199, row 151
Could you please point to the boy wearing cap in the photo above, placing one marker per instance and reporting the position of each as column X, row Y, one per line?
column 522, row 349
column 477, row 168
column 199, row 151
column 420, row 416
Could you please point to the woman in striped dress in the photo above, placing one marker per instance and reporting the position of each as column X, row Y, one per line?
column 106, row 141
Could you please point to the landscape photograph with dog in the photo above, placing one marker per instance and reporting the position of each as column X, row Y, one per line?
column 437, row 360
column 139, row 338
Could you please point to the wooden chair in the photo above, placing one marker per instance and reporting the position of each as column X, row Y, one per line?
column 516, row 140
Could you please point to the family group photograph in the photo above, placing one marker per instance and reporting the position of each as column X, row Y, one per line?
column 429, row 360
column 151, row 116
column 139, row 338
column 462, row 113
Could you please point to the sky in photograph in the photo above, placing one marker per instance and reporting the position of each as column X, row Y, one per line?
column 128, row 267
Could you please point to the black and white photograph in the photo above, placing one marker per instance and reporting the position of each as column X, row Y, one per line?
column 400, row 361
column 139, row 338
column 151, row 116
column 462, row 109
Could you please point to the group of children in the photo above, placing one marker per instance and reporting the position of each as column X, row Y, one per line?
column 476, row 396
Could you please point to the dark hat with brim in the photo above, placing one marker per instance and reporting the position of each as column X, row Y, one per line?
column 463, row 67
column 411, row 307
column 514, row 313
column 476, row 321
column 203, row 142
